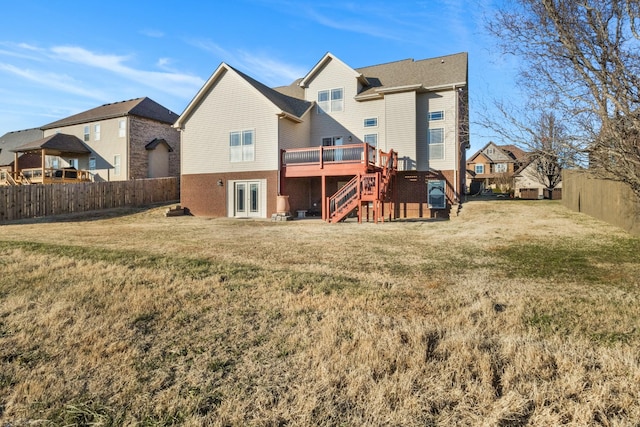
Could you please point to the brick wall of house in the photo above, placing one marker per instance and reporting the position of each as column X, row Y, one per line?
column 141, row 132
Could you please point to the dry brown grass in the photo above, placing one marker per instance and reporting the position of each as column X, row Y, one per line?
column 512, row 314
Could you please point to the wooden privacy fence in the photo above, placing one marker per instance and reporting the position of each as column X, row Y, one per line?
column 40, row 200
column 606, row 200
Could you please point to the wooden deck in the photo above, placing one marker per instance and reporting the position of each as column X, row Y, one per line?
column 339, row 160
column 44, row 176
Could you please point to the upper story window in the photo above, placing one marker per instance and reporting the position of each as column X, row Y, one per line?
column 372, row 140
column 122, row 128
column 241, row 146
column 435, row 115
column 479, row 169
column 435, row 141
column 371, row 122
column 330, row 100
column 116, row 164
column 96, row 132
column 87, row 134
column 500, row 168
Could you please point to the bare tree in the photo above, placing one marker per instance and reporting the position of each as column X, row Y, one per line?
column 581, row 60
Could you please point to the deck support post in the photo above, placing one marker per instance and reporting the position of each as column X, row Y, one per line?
column 324, row 197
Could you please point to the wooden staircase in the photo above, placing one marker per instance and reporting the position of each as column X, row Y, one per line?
column 375, row 188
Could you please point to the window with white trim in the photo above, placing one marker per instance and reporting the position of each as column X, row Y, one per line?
column 96, row 132
column 371, row 122
column 372, row 140
column 435, row 115
column 435, row 141
column 241, row 146
column 479, row 169
column 436, row 196
column 92, row 163
column 87, row 133
column 116, row 164
column 330, row 100
column 122, row 128
column 500, row 168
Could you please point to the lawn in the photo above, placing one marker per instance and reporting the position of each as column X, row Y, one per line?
column 513, row 313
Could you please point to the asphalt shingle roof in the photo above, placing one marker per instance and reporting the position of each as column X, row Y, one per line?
column 141, row 107
column 286, row 103
column 432, row 72
column 59, row 142
column 11, row 140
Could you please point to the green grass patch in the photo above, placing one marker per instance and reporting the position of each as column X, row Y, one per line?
column 581, row 261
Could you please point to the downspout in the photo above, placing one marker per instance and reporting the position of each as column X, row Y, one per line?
column 457, row 139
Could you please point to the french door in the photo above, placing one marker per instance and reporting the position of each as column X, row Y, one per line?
column 247, row 199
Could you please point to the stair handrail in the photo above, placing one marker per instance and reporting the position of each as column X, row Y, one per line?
column 342, row 197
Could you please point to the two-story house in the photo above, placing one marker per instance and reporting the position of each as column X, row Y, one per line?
column 399, row 128
column 494, row 167
column 124, row 140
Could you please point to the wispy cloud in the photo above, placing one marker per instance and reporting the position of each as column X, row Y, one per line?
column 74, row 80
column 60, row 82
column 263, row 66
column 149, row 32
column 170, row 82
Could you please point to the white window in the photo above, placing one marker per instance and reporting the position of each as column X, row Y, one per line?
column 371, row 122
column 435, row 115
column 435, row 140
column 73, row 163
column 479, row 169
column 436, row 197
column 330, row 100
column 122, row 129
column 116, row 164
column 92, row 163
column 241, row 146
column 87, row 134
column 96, row 132
column 372, row 140
column 55, row 162
column 501, row 168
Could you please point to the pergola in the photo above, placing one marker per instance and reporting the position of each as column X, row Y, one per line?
column 60, row 144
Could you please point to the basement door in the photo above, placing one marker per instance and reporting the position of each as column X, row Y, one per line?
column 247, row 199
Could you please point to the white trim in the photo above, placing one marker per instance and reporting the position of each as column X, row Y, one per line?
column 364, row 122
column 326, row 58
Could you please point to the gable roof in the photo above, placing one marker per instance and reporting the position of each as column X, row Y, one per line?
column 11, row 140
column 158, row 141
column 289, row 106
column 514, row 153
column 450, row 71
column 140, row 107
column 60, row 143
column 328, row 57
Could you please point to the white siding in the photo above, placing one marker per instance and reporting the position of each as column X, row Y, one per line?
column 349, row 121
column 231, row 104
column 295, row 135
column 401, row 127
column 104, row 150
column 437, row 101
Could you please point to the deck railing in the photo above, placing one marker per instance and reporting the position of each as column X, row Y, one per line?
column 353, row 153
column 50, row 175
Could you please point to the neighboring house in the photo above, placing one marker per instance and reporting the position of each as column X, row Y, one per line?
column 397, row 127
column 127, row 140
column 494, row 167
column 529, row 183
column 11, row 140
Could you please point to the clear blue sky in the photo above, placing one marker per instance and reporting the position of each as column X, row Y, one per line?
column 60, row 57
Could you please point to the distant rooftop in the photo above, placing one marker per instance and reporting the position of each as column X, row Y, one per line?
column 141, row 107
